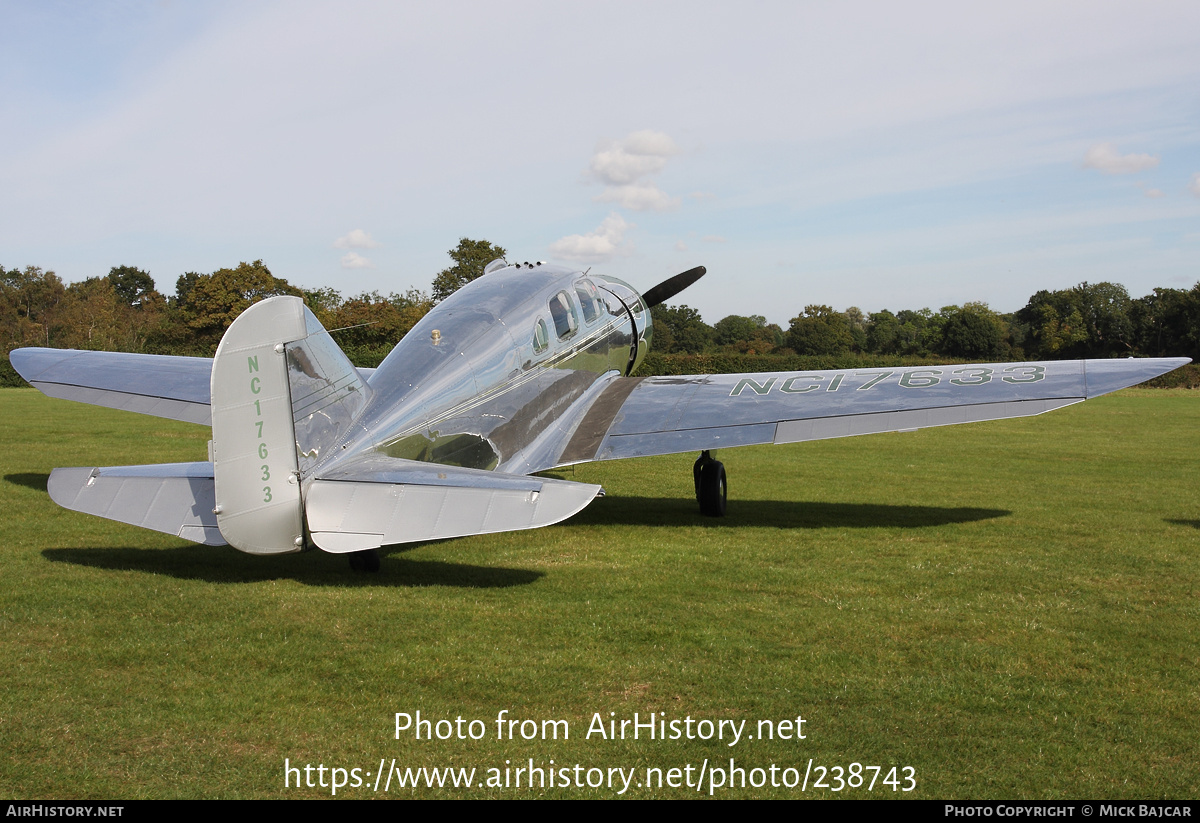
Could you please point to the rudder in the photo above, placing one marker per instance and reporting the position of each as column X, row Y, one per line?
column 258, row 503
column 283, row 393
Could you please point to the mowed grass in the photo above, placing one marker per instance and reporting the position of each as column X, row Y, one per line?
column 1012, row 609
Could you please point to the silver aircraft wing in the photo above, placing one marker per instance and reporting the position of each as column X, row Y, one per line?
column 159, row 385
column 638, row 417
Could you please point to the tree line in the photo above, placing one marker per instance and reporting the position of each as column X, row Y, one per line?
column 124, row 311
column 1091, row 320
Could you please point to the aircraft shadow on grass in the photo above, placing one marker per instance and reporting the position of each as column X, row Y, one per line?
column 1195, row 524
column 220, row 565
column 30, row 480
column 777, row 514
column 674, row 511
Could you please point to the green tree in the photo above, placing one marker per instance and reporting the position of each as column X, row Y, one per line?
column 213, row 301
column 371, row 320
column 1167, row 322
column 1056, row 328
column 735, row 329
column 1105, row 309
column 679, row 329
column 908, row 331
column 973, row 331
column 916, row 329
column 184, row 285
column 883, row 330
column 747, row 335
column 470, row 256
column 131, row 285
column 94, row 316
column 820, row 330
column 324, row 303
column 1088, row 320
column 857, row 322
column 30, row 301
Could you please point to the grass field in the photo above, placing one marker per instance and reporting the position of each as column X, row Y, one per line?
column 1010, row 609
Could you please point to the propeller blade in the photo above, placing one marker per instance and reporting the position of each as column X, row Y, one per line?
column 672, row 286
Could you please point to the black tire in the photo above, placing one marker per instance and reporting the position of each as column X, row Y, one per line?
column 697, row 468
column 365, row 561
column 713, row 489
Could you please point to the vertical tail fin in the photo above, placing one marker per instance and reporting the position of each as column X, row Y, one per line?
column 282, row 392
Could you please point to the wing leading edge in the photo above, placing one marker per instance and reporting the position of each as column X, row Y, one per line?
column 639, row 417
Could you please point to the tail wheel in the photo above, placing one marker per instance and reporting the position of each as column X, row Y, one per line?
column 711, row 488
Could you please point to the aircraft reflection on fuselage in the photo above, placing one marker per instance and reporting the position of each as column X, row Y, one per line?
column 490, row 369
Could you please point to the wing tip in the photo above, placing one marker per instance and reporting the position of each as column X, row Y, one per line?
column 1105, row 376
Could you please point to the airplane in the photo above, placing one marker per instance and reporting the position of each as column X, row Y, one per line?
column 527, row 368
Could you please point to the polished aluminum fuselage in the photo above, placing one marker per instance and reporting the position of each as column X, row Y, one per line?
column 490, row 378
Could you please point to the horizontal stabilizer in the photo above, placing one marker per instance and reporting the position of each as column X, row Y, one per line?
column 163, row 386
column 383, row 501
column 175, row 498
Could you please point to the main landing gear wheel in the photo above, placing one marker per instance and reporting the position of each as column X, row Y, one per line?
column 365, row 561
column 711, row 488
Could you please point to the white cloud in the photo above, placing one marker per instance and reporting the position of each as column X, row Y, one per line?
column 680, row 245
column 713, row 238
column 649, row 142
column 639, row 197
column 353, row 260
column 615, row 167
column 599, row 246
column 702, row 195
column 623, row 166
column 356, row 239
column 1194, row 186
column 1152, row 192
column 642, row 153
column 1105, row 157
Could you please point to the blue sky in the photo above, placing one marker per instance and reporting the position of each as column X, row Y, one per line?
column 881, row 155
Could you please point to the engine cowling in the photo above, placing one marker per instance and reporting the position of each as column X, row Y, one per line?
column 639, row 318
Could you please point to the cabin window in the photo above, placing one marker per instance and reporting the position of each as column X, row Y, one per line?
column 587, row 299
column 541, row 337
column 563, row 312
